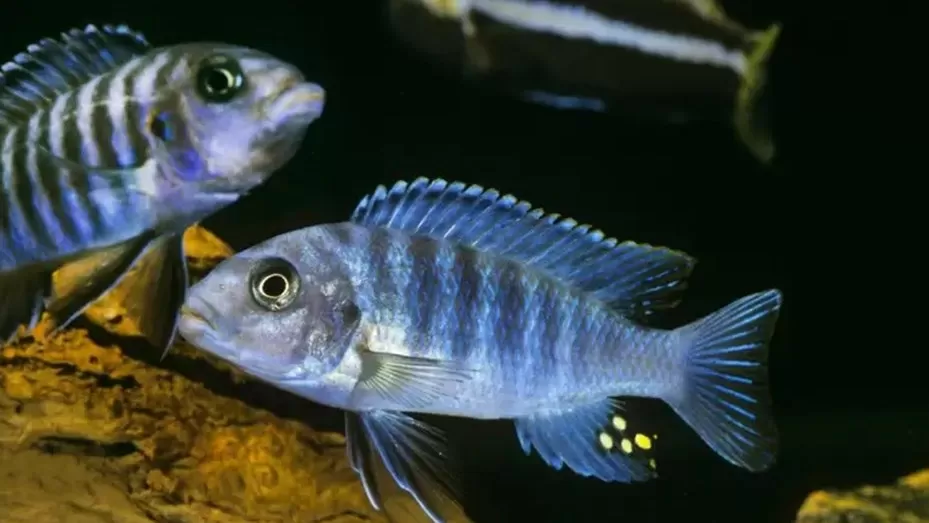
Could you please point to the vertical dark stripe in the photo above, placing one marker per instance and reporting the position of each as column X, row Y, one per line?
column 54, row 173
column 424, row 289
column 101, row 125
column 39, row 176
column 379, row 259
column 30, row 221
column 75, row 181
column 507, row 333
column 466, row 301
column 555, row 312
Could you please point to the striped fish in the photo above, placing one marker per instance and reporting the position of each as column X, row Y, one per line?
column 678, row 55
column 111, row 148
column 446, row 299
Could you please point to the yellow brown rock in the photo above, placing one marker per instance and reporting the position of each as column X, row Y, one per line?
column 93, row 428
column 906, row 501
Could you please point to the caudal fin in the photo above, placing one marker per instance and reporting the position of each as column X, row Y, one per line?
column 725, row 396
column 752, row 105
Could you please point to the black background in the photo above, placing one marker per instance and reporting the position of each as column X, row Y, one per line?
column 844, row 419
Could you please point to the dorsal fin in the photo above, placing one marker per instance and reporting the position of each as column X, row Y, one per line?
column 48, row 68
column 633, row 278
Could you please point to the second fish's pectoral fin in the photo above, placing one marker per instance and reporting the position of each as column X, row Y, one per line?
column 156, row 294
column 405, row 381
column 592, row 440
column 403, row 464
column 634, row 278
column 23, row 294
column 82, row 281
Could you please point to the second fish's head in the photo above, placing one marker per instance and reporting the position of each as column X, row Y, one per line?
column 231, row 115
column 278, row 310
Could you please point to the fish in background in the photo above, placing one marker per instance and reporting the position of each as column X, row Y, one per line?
column 112, row 148
column 680, row 58
column 443, row 298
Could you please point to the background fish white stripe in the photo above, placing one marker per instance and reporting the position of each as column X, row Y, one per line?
column 579, row 23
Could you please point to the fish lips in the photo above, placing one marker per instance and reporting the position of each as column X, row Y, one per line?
column 298, row 103
column 198, row 324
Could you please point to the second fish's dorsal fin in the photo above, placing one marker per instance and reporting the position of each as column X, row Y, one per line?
column 635, row 279
column 33, row 79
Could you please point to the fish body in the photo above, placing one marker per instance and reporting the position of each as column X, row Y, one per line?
column 677, row 55
column 110, row 149
column 447, row 299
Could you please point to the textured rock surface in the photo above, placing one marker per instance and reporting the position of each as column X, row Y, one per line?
column 93, row 428
column 906, row 501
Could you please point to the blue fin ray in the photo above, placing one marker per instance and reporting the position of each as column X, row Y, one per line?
column 48, row 68
column 413, row 457
column 635, row 279
column 725, row 397
column 592, row 440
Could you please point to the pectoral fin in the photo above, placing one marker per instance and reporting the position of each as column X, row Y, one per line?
column 401, row 463
column 404, row 381
column 82, row 281
column 155, row 295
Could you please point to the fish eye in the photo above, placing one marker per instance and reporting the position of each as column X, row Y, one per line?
column 220, row 79
column 275, row 284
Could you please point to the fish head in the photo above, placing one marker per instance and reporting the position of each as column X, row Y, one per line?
column 271, row 313
column 248, row 112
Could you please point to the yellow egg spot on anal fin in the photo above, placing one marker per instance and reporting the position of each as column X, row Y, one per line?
column 606, row 441
column 652, row 464
column 643, row 442
column 620, row 423
column 626, row 445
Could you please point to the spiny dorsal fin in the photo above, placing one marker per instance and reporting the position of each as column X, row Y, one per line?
column 633, row 278
column 48, row 68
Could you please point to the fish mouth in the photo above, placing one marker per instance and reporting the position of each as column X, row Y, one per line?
column 192, row 315
column 302, row 102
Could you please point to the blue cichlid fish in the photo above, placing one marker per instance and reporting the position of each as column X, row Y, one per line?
column 597, row 52
column 449, row 299
column 111, row 149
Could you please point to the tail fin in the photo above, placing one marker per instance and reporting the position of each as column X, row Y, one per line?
column 725, row 396
column 751, row 106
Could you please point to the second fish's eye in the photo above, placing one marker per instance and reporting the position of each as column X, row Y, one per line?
column 220, row 79
column 274, row 284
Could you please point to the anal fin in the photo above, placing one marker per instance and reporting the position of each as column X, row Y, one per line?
column 155, row 295
column 82, row 281
column 596, row 440
column 403, row 465
column 23, row 294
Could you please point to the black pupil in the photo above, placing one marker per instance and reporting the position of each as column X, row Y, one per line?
column 219, row 80
column 274, row 285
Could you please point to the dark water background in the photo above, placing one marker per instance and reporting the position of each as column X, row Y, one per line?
column 390, row 115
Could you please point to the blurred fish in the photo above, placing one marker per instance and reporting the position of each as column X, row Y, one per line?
column 111, row 149
column 450, row 299
column 597, row 54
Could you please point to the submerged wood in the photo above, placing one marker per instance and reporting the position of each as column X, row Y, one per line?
column 906, row 501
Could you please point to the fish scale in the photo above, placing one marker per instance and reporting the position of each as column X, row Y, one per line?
column 495, row 315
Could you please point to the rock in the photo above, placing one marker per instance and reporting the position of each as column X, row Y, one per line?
column 95, row 428
column 906, row 501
